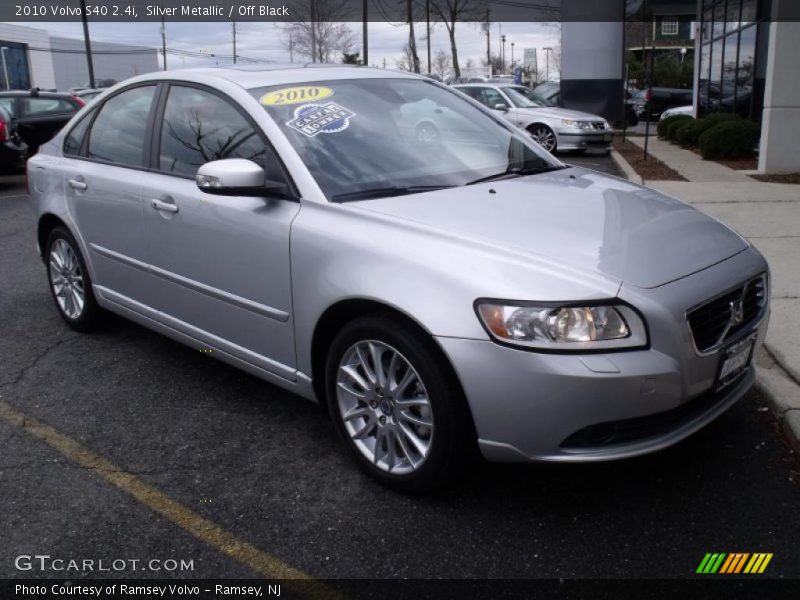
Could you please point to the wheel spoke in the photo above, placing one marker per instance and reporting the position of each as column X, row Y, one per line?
column 391, row 456
column 414, row 419
column 365, row 430
column 401, row 441
column 408, row 377
column 412, row 437
column 365, row 365
column 409, row 402
column 356, row 412
column 376, row 355
column 378, row 452
column 355, row 376
column 351, row 390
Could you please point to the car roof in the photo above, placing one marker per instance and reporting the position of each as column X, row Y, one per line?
column 254, row 76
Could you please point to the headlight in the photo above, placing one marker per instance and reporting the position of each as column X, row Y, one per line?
column 578, row 328
column 577, row 124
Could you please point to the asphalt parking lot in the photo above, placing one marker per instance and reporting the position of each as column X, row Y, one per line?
column 257, row 465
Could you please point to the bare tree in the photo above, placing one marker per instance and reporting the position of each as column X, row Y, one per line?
column 496, row 64
column 317, row 34
column 441, row 63
column 406, row 61
column 449, row 12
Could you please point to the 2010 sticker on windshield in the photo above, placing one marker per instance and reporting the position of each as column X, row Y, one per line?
column 296, row 95
column 312, row 119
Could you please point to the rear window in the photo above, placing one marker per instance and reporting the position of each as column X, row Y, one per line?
column 46, row 106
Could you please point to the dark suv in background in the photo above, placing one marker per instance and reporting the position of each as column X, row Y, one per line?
column 13, row 151
column 38, row 115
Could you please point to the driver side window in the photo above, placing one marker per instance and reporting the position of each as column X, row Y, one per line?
column 199, row 127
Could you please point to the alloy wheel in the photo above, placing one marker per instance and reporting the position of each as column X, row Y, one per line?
column 385, row 407
column 545, row 137
column 66, row 279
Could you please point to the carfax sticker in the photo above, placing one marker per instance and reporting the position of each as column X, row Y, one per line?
column 296, row 95
column 311, row 119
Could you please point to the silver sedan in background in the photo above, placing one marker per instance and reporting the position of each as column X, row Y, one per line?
column 437, row 294
column 552, row 127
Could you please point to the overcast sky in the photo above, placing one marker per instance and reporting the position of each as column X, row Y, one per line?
column 264, row 41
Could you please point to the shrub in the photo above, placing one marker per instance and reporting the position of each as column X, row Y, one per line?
column 662, row 125
column 730, row 139
column 689, row 135
column 675, row 126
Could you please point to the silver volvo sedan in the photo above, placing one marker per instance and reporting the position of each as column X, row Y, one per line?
column 436, row 293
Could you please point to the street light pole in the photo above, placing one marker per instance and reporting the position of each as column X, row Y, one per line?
column 512, row 56
column 503, row 54
column 5, row 68
column 164, row 41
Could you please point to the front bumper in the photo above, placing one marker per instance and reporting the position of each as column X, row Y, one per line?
column 533, row 406
column 573, row 139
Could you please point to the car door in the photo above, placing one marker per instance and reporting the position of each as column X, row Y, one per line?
column 491, row 97
column 220, row 264
column 103, row 165
column 41, row 117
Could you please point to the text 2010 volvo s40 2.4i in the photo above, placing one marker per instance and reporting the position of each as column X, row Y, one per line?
column 437, row 293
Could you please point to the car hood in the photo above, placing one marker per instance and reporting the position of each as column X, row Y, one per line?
column 557, row 112
column 577, row 218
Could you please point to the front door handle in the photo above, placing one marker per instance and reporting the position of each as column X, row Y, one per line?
column 170, row 207
column 78, row 184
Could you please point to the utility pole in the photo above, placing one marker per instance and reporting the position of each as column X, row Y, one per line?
column 88, row 44
column 503, row 54
column 428, row 32
column 365, row 49
column 164, row 41
column 234, row 41
column 512, row 56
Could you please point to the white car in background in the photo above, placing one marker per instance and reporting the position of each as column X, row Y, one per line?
column 678, row 110
column 552, row 127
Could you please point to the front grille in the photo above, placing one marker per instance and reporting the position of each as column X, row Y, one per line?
column 713, row 322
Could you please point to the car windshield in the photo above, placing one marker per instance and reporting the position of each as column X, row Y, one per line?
column 522, row 97
column 368, row 138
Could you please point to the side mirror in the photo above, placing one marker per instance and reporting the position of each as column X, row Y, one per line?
column 237, row 177
column 501, row 106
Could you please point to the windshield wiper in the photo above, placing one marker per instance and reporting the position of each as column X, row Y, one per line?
column 510, row 173
column 385, row 192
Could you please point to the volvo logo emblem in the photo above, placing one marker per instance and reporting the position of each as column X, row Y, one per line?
column 737, row 313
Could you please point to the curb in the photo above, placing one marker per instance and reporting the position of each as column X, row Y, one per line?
column 783, row 396
column 626, row 168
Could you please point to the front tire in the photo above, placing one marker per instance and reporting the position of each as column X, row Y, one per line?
column 69, row 281
column 544, row 136
column 395, row 401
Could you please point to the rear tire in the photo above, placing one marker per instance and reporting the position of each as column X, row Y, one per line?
column 413, row 438
column 69, row 281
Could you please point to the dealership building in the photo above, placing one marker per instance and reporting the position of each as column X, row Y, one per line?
column 31, row 57
column 746, row 60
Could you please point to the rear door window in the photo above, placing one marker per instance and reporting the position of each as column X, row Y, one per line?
column 119, row 131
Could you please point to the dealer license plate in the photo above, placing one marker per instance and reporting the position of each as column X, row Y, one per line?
column 735, row 361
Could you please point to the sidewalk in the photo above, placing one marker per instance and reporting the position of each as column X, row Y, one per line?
column 767, row 214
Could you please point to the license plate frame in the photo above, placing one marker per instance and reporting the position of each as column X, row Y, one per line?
column 735, row 361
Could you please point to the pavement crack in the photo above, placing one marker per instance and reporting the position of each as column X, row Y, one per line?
column 20, row 373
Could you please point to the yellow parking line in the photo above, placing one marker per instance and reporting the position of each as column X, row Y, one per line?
column 259, row 561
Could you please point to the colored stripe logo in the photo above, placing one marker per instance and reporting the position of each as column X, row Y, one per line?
column 733, row 563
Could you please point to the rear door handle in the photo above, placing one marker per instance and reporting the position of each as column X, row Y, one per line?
column 78, row 183
column 165, row 206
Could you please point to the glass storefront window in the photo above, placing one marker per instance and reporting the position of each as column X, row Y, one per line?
column 14, row 73
column 749, row 12
column 745, row 71
column 728, row 81
column 732, row 16
column 702, row 90
column 708, row 20
column 715, row 77
column 718, row 28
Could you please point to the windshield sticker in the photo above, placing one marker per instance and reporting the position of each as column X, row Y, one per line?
column 311, row 119
column 296, row 95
